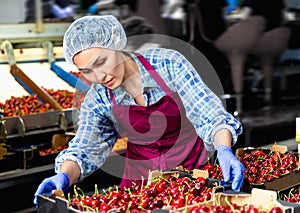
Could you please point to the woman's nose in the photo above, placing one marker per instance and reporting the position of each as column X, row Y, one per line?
column 100, row 76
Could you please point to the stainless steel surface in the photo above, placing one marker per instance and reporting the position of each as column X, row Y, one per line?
column 28, row 32
column 38, row 16
column 21, row 126
column 20, row 172
column 3, row 131
column 48, row 45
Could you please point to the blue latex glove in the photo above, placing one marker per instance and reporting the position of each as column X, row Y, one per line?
column 58, row 181
column 232, row 168
column 93, row 9
column 59, row 12
column 69, row 11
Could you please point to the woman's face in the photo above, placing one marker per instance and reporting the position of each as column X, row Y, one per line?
column 101, row 66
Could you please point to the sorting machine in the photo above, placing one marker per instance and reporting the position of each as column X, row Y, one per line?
column 31, row 60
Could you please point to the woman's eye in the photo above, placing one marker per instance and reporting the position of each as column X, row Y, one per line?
column 100, row 62
column 86, row 71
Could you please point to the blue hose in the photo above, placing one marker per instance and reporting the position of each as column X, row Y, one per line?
column 27, row 88
column 69, row 78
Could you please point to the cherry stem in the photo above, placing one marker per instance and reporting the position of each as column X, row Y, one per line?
column 96, row 189
column 140, row 207
column 86, row 207
column 228, row 203
column 142, row 182
column 75, row 191
column 69, row 197
column 82, row 192
column 218, row 200
column 290, row 192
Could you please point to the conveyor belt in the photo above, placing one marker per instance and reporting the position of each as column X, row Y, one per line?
column 41, row 74
column 33, row 62
column 8, row 85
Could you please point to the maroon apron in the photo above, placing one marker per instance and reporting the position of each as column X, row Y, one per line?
column 160, row 136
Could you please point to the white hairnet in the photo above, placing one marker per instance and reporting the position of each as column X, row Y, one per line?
column 103, row 31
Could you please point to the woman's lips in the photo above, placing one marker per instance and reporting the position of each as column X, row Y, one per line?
column 108, row 82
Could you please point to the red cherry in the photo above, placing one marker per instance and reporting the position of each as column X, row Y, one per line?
column 201, row 180
column 194, row 209
column 204, row 209
column 276, row 210
column 126, row 197
column 159, row 203
column 161, row 186
column 252, row 210
column 177, row 203
column 104, row 207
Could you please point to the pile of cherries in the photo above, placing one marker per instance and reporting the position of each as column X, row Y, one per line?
column 30, row 104
column 261, row 166
column 63, row 97
column 247, row 208
column 51, row 150
column 214, row 170
column 171, row 192
column 17, row 106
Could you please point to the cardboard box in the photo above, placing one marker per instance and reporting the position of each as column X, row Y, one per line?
column 277, row 184
column 259, row 198
column 121, row 144
column 60, row 205
column 241, row 151
column 57, row 205
column 288, row 193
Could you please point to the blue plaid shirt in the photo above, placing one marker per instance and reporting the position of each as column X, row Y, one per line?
column 98, row 130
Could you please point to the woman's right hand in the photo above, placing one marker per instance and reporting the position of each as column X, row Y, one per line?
column 58, row 181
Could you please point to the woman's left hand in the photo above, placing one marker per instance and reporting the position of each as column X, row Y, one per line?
column 232, row 168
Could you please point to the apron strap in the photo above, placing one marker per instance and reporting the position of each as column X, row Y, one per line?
column 154, row 74
column 112, row 96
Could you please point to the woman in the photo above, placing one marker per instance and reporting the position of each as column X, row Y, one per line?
column 271, row 10
column 202, row 34
column 170, row 116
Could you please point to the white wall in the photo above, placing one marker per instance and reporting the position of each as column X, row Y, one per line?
column 12, row 11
